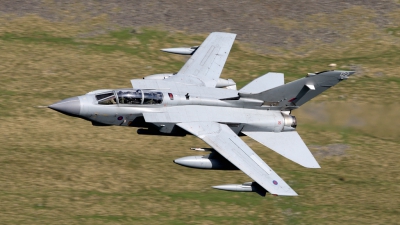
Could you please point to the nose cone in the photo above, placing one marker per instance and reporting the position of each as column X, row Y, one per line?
column 69, row 106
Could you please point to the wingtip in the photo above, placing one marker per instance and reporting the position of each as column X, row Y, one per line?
column 224, row 33
column 290, row 193
column 310, row 163
column 312, row 166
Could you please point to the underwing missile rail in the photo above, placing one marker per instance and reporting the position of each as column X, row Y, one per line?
column 245, row 187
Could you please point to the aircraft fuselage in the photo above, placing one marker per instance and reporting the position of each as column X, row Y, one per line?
column 136, row 108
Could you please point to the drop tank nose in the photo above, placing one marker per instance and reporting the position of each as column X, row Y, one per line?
column 69, row 106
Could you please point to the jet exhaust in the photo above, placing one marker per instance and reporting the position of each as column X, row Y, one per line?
column 290, row 122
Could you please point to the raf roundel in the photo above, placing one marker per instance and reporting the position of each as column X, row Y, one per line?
column 120, row 117
column 275, row 182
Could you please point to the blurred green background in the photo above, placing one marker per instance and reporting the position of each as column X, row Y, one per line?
column 60, row 170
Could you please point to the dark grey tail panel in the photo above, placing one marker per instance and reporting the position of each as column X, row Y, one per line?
column 300, row 91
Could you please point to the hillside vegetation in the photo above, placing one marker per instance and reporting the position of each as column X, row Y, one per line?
column 61, row 170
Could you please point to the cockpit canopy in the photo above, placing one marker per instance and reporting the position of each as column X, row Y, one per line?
column 106, row 98
column 131, row 97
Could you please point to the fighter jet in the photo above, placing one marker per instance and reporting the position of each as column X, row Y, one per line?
column 195, row 101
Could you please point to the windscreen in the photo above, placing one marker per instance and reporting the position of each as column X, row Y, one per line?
column 106, row 98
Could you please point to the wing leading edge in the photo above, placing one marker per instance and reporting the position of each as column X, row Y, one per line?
column 230, row 146
column 205, row 66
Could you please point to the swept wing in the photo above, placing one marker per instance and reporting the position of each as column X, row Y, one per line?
column 205, row 66
column 230, row 146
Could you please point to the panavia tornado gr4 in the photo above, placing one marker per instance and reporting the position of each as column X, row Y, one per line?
column 196, row 101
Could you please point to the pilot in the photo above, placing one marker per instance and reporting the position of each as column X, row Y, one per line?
column 113, row 100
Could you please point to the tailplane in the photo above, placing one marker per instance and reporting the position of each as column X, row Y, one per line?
column 288, row 144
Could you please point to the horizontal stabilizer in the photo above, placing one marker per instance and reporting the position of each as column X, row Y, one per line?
column 287, row 144
column 263, row 83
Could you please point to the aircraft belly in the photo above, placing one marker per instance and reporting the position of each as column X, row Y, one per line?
column 254, row 119
column 266, row 126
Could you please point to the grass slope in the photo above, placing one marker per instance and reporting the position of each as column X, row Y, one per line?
column 61, row 170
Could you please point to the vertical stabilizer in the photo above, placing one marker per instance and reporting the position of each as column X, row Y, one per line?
column 300, row 91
